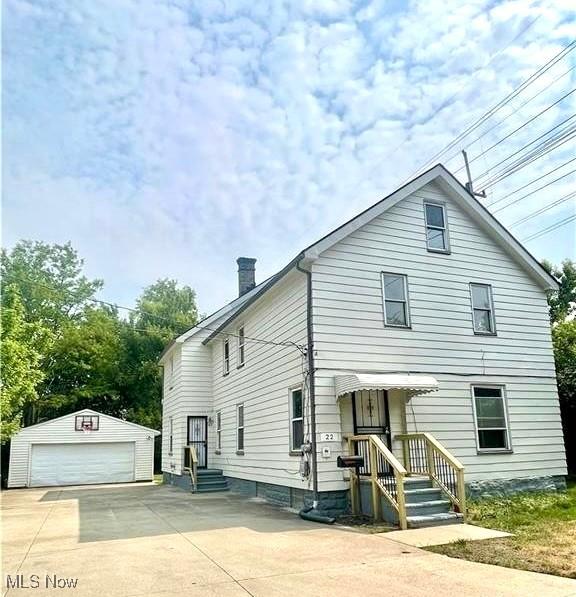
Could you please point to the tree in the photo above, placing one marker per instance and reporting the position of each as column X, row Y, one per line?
column 20, row 361
column 564, row 338
column 562, row 302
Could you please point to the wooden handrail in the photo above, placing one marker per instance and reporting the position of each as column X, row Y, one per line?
column 389, row 483
column 450, row 477
column 193, row 469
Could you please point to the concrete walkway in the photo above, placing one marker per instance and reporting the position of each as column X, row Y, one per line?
column 155, row 540
column 441, row 535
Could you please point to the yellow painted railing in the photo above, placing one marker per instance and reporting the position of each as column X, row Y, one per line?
column 191, row 465
column 386, row 476
column 425, row 455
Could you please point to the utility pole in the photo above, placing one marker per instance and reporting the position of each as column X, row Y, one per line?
column 469, row 183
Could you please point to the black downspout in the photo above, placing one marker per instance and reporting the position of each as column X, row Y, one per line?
column 311, row 385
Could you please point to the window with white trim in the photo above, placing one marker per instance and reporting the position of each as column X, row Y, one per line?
column 171, row 446
column 226, row 357
column 482, row 309
column 491, row 419
column 240, row 427
column 395, row 296
column 241, row 347
column 436, row 227
column 219, row 430
column 296, row 420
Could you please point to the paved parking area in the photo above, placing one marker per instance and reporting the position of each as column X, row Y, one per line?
column 134, row 540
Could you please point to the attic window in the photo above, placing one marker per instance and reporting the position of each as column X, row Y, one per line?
column 87, row 423
column 436, row 228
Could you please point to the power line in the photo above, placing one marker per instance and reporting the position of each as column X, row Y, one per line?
column 550, row 228
column 515, row 92
column 534, row 191
column 542, row 210
column 160, row 317
column 530, row 183
column 519, row 128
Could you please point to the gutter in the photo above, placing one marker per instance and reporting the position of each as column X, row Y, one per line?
column 311, row 386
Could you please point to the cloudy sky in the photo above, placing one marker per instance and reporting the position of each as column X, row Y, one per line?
column 167, row 138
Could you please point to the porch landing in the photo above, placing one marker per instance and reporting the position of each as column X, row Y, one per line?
column 440, row 535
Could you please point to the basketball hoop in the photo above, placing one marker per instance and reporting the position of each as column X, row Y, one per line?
column 86, row 426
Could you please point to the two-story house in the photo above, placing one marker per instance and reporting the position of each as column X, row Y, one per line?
column 415, row 336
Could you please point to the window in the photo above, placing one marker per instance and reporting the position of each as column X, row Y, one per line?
column 241, row 347
column 296, row 420
column 482, row 309
column 395, row 293
column 219, row 430
column 171, row 447
column 436, row 228
column 240, row 428
column 87, row 423
column 226, row 357
column 491, row 418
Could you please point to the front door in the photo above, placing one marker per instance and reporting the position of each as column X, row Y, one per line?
column 371, row 414
column 198, row 437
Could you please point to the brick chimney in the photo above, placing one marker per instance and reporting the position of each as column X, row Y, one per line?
column 246, row 274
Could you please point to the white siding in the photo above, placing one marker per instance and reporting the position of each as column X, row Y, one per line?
column 349, row 335
column 62, row 431
column 262, row 385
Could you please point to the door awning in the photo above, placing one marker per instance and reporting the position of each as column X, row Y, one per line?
column 412, row 384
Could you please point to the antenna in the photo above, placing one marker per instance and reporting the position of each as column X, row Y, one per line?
column 469, row 183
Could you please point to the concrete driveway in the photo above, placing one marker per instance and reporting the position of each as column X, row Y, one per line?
column 158, row 540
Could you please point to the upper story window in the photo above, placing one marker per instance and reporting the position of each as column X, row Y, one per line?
column 296, row 420
column 241, row 347
column 490, row 417
column 436, row 227
column 482, row 309
column 395, row 296
column 226, row 357
column 240, row 428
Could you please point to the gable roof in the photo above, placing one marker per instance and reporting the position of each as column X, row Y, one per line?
column 89, row 411
column 450, row 185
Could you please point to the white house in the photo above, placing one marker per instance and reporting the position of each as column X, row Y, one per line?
column 81, row 448
column 416, row 334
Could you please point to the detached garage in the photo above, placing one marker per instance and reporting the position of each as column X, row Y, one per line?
column 81, row 448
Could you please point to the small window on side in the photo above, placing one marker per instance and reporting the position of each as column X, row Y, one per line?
column 395, row 296
column 436, row 228
column 226, row 357
column 241, row 347
column 219, row 430
column 240, row 428
column 296, row 420
column 171, row 441
column 482, row 309
column 491, row 420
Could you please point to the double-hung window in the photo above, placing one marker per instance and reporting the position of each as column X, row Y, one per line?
column 492, row 433
column 436, row 228
column 395, row 296
column 296, row 420
column 219, row 430
column 482, row 309
column 240, row 428
column 171, row 437
column 226, row 356
column 241, row 347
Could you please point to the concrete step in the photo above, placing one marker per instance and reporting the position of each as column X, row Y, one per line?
column 417, row 483
column 204, row 489
column 416, row 522
column 209, row 472
column 212, row 483
column 423, row 494
column 428, row 508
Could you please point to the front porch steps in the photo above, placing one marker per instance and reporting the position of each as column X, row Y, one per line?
column 426, row 505
column 211, row 481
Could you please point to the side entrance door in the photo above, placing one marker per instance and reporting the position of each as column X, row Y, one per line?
column 198, row 437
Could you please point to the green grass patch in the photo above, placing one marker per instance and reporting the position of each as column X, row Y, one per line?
column 544, row 528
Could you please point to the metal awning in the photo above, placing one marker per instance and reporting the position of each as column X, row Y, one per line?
column 412, row 384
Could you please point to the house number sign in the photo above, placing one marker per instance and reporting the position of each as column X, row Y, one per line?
column 330, row 437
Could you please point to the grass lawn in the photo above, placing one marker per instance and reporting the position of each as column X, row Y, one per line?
column 544, row 527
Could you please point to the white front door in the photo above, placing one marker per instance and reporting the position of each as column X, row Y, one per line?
column 80, row 464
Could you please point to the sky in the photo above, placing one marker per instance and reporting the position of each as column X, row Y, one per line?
column 168, row 138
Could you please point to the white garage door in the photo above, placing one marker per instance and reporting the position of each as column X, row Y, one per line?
column 79, row 464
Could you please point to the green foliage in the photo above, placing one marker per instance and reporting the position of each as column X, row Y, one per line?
column 20, row 360
column 61, row 352
column 562, row 302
